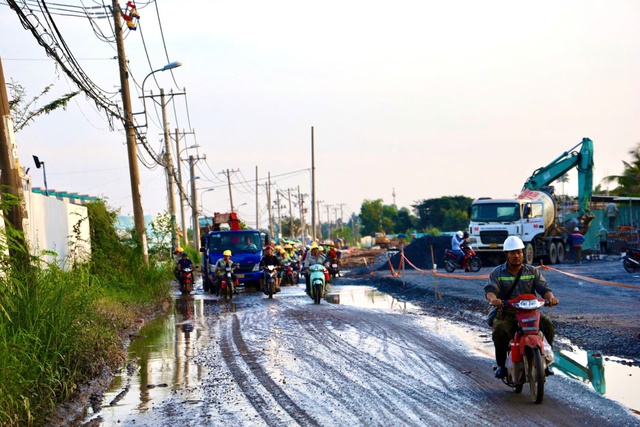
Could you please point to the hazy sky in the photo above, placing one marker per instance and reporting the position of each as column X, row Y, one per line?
column 429, row 98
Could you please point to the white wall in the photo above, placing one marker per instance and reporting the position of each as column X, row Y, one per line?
column 50, row 230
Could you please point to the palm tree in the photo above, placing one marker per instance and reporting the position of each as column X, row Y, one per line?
column 629, row 181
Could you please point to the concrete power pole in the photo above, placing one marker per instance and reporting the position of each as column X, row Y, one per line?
column 170, row 173
column 279, row 216
column 313, row 189
column 268, row 187
column 230, row 193
column 194, row 201
column 302, row 224
column 11, row 179
column 183, row 216
column 138, row 213
column 290, row 216
column 257, row 203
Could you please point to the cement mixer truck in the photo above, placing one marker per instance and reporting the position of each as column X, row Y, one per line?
column 533, row 215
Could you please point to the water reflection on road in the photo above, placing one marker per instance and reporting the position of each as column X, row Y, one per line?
column 159, row 362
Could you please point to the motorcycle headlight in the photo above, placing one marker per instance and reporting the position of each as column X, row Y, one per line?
column 529, row 304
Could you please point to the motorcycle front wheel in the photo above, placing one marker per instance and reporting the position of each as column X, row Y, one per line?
column 317, row 293
column 535, row 373
column 629, row 265
column 448, row 266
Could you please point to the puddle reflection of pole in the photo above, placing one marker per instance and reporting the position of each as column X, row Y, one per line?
column 185, row 308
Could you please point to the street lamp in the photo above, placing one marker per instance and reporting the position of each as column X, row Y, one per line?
column 169, row 66
column 44, row 172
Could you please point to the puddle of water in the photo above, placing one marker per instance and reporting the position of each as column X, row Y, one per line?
column 366, row 297
column 158, row 363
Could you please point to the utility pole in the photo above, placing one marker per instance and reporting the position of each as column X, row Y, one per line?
column 302, row 224
column 268, row 187
column 313, row 189
column 183, row 217
column 279, row 216
column 138, row 213
column 319, row 220
column 194, row 201
column 230, row 194
column 290, row 215
column 11, row 179
column 257, row 203
column 329, row 220
column 170, row 173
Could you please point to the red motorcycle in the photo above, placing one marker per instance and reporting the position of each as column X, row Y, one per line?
column 186, row 280
column 229, row 281
column 529, row 353
column 470, row 261
column 631, row 260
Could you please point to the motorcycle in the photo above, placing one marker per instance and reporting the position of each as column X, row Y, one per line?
column 289, row 274
column 186, row 280
column 333, row 266
column 529, row 353
column 470, row 261
column 228, row 283
column 269, row 276
column 631, row 260
column 318, row 283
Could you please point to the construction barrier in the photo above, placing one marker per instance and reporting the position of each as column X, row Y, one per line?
column 486, row 276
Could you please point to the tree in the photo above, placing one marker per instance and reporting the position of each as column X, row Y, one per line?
column 629, row 181
column 24, row 111
column 444, row 213
column 371, row 217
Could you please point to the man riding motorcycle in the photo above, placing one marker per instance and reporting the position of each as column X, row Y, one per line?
column 507, row 281
column 220, row 270
column 269, row 259
column 182, row 263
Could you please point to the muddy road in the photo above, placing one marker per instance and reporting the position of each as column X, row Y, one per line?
column 359, row 359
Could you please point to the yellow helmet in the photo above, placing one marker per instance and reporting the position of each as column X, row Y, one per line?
column 226, row 253
column 314, row 246
column 288, row 246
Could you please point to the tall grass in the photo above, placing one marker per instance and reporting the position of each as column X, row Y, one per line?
column 58, row 329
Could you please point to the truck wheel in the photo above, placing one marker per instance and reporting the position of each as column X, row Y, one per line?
column 561, row 252
column 552, row 250
column 529, row 253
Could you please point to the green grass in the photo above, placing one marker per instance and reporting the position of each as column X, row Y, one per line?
column 59, row 329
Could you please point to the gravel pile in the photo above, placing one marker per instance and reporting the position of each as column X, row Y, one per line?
column 419, row 253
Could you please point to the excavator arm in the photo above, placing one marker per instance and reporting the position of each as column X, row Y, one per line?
column 582, row 160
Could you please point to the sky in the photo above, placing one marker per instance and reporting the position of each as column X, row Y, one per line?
column 423, row 99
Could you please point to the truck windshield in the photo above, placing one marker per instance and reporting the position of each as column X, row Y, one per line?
column 495, row 212
column 235, row 241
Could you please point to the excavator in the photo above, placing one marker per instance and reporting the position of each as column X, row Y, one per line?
column 533, row 215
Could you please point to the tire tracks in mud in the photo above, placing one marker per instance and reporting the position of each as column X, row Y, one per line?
column 235, row 353
column 392, row 388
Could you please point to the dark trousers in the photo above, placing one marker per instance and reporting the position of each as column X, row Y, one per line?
column 504, row 329
column 577, row 254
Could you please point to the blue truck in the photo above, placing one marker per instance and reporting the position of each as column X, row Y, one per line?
column 246, row 247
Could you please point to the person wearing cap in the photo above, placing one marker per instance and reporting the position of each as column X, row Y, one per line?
column 577, row 240
column 313, row 257
column 220, row 270
column 269, row 259
column 506, row 282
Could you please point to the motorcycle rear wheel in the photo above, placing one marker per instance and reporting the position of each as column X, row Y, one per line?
column 629, row 265
column 474, row 264
column 535, row 371
column 317, row 293
column 448, row 266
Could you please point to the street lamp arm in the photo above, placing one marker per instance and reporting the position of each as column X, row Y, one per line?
column 169, row 66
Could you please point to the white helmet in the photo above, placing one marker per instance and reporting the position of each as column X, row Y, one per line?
column 460, row 234
column 513, row 243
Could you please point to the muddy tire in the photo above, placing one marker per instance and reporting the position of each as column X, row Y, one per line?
column 536, row 375
column 474, row 264
column 317, row 293
column 629, row 265
column 552, row 250
column 449, row 267
column 529, row 253
column 562, row 254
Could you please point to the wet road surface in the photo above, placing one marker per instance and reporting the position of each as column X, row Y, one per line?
column 365, row 361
